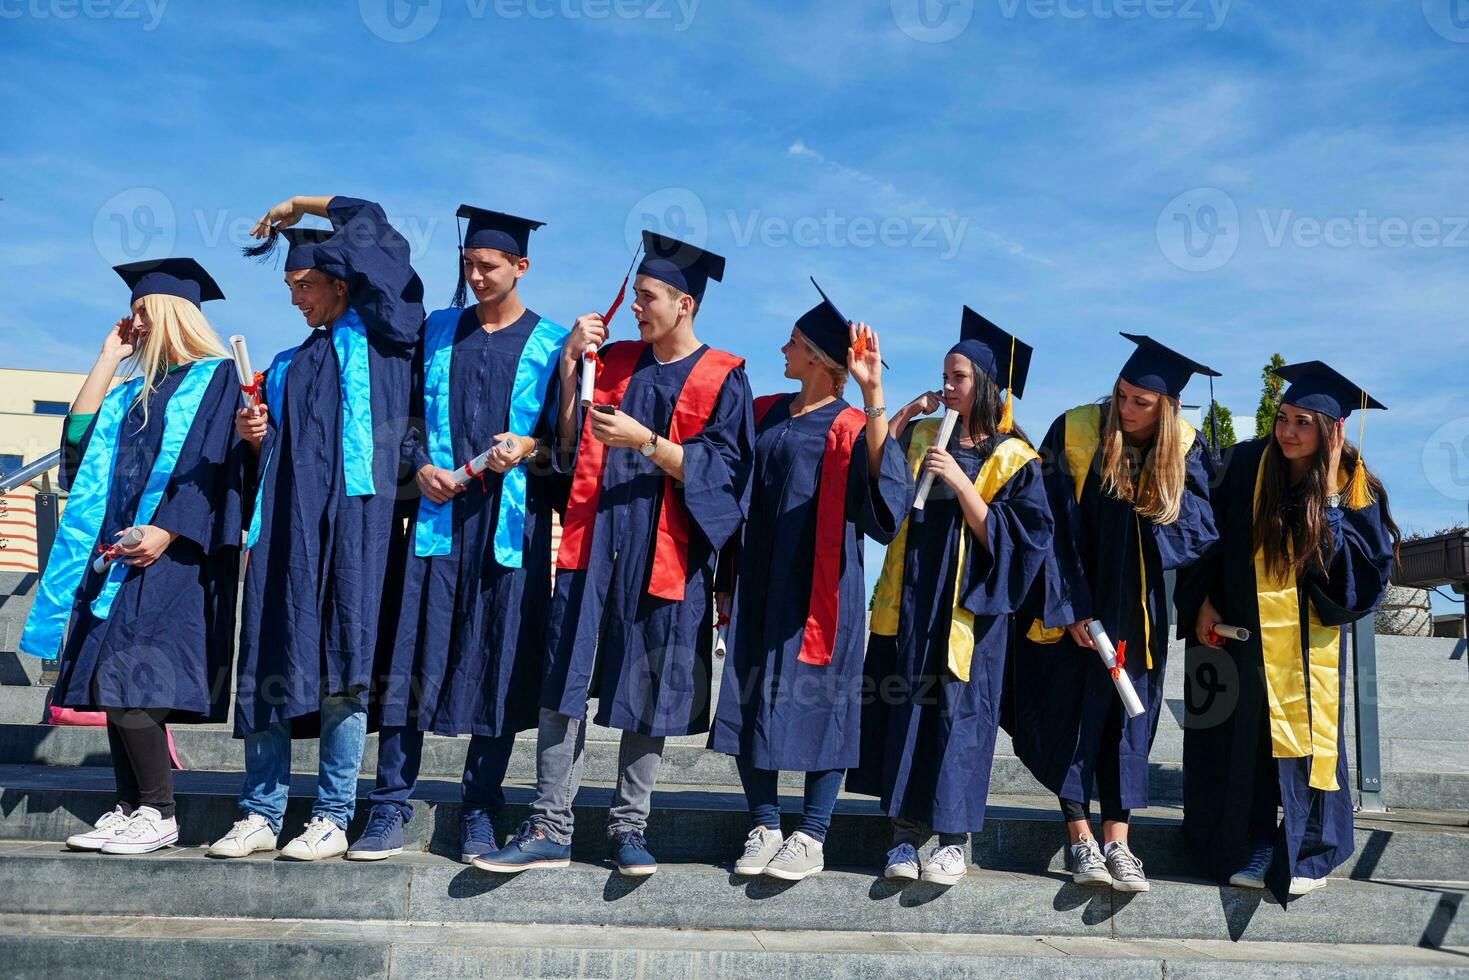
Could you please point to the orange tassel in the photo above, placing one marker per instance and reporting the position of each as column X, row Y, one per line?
column 1359, row 494
column 1007, row 414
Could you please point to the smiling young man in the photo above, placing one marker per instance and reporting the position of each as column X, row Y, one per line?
column 477, row 589
column 326, row 528
column 660, row 470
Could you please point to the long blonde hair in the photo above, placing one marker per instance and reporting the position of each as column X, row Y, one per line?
column 177, row 332
column 1153, row 480
column 838, row 371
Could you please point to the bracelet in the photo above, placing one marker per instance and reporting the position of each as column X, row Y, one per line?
column 876, row 412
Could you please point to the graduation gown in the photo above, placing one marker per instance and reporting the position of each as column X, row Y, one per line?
column 1060, row 694
column 469, row 645
column 928, row 738
column 648, row 660
column 315, row 605
column 774, row 710
column 1232, row 782
column 169, row 639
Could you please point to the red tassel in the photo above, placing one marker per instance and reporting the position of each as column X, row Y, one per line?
column 1121, row 659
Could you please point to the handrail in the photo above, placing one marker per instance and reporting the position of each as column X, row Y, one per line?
column 29, row 472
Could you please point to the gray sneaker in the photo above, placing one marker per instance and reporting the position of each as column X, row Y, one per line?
column 760, row 847
column 799, row 857
column 1125, row 868
column 1087, row 865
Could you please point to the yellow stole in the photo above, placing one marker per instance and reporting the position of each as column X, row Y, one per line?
column 1007, row 460
column 1083, row 435
column 1301, row 723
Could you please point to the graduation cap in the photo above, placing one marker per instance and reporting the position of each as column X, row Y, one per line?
column 184, row 278
column 999, row 354
column 1160, row 369
column 826, row 327
column 301, row 246
column 491, row 229
column 1318, row 387
column 685, row 267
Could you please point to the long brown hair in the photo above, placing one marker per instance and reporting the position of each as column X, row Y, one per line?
column 1151, row 480
column 1290, row 520
column 983, row 417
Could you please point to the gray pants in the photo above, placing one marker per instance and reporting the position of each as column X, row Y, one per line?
column 560, row 753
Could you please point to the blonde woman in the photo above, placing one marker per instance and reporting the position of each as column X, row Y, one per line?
column 1128, row 485
column 153, row 470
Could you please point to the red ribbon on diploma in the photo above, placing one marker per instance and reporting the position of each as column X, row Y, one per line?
column 1121, row 659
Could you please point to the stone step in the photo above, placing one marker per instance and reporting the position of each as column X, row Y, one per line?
column 42, row 880
column 708, row 825
column 65, row 946
column 1428, row 785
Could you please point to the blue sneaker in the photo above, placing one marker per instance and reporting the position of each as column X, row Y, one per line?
column 529, row 848
column 383, row 836
column 631, row 855
column 476, row 834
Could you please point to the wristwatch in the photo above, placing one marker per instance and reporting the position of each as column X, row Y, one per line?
column 875, row 412
column 1333, row 500
column 649, row 447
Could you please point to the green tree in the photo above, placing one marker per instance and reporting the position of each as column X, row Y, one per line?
column 1224, row 419
column 1269, row 397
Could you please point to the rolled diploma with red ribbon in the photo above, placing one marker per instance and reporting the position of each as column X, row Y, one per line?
column 475, row 466
column 946, row 432
column 588, row 377
column 131, row 538
column 249, row 392
column 1222, row 632
column 1120, row 680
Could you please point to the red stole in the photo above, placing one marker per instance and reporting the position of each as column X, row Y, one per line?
column 690, row 414
column 831, row 520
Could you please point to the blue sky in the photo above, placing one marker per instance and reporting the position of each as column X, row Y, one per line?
column 1233, row 178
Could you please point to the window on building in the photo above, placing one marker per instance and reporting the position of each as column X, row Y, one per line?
column 52, row 408
column 9, row 463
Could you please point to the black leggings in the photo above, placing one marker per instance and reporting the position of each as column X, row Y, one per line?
column 141, row 763
column 1109, row 777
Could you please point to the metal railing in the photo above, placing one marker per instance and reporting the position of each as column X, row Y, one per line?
column 48, row 512
column 28, row 472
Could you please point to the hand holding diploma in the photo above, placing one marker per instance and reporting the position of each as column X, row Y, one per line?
column 1114, row 662
column 946, row 431
column 138, row 546
column 249, row 383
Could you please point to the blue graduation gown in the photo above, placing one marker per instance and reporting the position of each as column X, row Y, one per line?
column 773, row 710
column 648, row 660
column 1231, row 781
column 315, row 604
column 170, row 636
column 467, row 658
column 1061, row 694
column 928, row 739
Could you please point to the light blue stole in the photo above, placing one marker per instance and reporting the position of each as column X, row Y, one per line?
column 434, row 529
column 349, row 340
column 86, row 507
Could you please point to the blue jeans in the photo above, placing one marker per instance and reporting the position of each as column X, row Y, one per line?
column 400, row 752
column 763, row 796
column 268, row 765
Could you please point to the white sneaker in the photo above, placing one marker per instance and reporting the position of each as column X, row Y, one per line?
column 146, row 831
column 1305, row 886
column 96, row 838
column 946, row 866
column 321, row 839
column 245, row 837
column 760, row 846
column 1088, row 867
column 902, row 864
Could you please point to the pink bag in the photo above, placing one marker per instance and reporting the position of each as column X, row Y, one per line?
column 97, row 719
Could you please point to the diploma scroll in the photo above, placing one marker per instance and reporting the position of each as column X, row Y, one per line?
column 131, row 538
column 1120, row 680
column 1221, row 632
column 477, row 466
column 946, row 431
column 588, row 377
column 249, row 387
